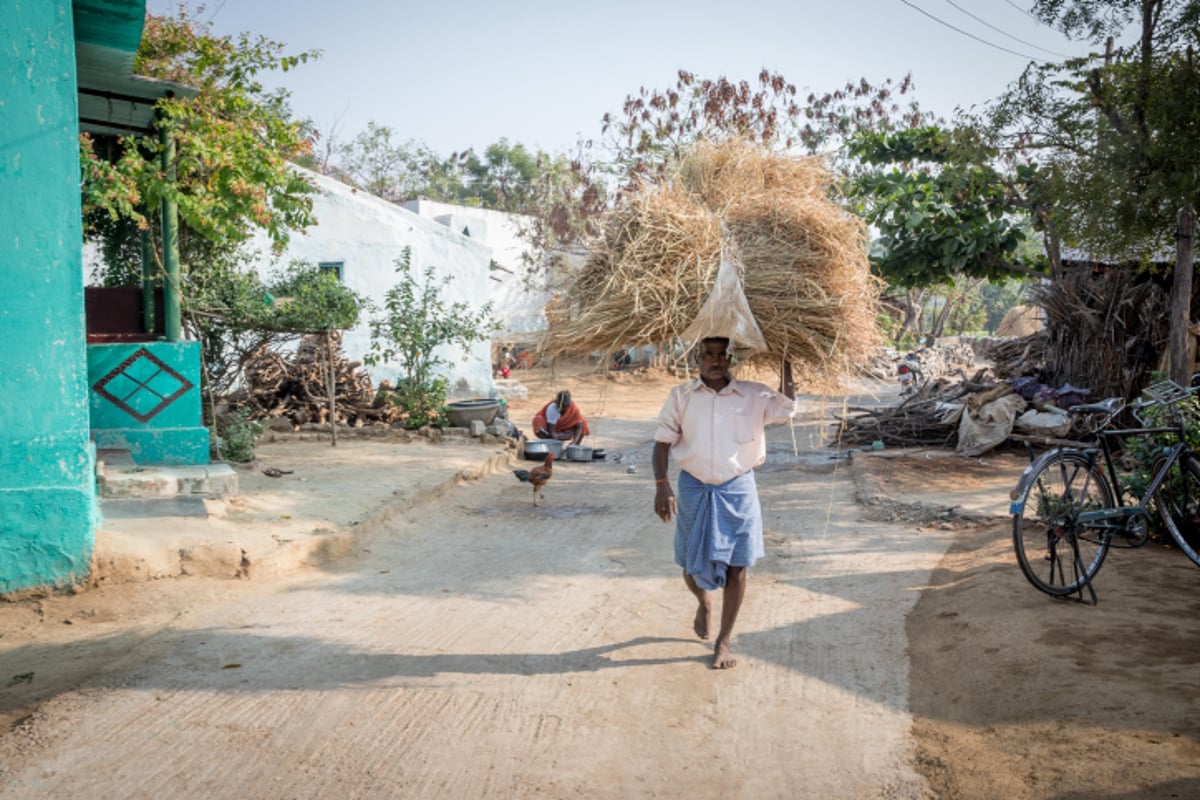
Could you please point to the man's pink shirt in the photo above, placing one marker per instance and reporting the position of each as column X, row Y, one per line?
column 716, row 436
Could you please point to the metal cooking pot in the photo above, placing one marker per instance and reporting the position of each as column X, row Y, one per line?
column 579, row 452
column 538, row 449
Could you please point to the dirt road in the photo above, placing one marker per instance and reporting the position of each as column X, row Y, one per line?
column 484, row 648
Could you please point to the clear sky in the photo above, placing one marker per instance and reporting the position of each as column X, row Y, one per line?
column 542, row 73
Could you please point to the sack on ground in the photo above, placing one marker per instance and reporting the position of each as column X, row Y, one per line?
column 1048, row 422
column 981, row 429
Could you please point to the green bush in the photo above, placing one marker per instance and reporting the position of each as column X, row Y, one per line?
column 236, row 436
column 422, row 404
column 416, row 321
column 1145, row 451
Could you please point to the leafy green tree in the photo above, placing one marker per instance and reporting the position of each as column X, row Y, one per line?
column 236, row 317
column 316, row 302
column 1118, row 130
column 244, row 316
column 945, row 216
column 967, row 318
column 307, row 299
column 504, row 178
column 396, row 171
column 234, row 140
column 550, row 192
column 417, row 321
column 939, row 206
column 967, row 315
column 951, row 309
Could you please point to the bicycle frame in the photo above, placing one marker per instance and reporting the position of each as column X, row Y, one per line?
column 1083, row 509
column 1124, row 511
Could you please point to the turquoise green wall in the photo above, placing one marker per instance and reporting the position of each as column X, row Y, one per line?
column 145, row 398
column 47, row 481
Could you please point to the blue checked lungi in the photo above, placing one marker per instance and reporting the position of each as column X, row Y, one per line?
column 717, row 527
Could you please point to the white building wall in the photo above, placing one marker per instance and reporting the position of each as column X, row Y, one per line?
column 368, row 234
column 519, row 309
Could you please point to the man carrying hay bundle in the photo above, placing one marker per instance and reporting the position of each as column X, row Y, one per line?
column 714, row 427
column 804, row 275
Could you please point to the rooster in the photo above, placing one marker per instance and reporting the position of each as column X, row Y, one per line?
column 538, row 476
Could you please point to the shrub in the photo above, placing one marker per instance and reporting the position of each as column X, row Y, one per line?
column 1145, row 452
column 422, row 404
column 237, row 435
column 417, row 321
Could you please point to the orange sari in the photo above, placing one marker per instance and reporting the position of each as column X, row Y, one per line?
column 567, row 421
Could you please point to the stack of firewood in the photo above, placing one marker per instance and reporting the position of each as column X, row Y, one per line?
column 922, row 420
column 295, row 386
column 1014, row 357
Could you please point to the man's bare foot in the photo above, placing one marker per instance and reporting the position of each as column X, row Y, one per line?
column 700, row 624
column 722, row 657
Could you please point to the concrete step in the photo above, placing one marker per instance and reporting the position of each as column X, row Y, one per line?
column 118, row 476
column 124, row 508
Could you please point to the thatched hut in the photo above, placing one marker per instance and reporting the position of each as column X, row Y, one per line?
column 804, row 262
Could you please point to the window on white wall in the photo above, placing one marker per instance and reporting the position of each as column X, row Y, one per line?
column 336, row 267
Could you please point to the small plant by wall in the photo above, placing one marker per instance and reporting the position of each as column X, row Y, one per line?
column 416, row 322
column 237, row 435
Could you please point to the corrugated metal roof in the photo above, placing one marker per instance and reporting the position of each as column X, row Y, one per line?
column 111, row 23
column 112, row 100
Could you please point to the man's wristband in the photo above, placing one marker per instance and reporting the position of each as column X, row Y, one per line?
column 661, row 480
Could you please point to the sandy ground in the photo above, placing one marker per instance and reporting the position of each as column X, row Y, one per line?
column 478, row 647
column 1018, row 695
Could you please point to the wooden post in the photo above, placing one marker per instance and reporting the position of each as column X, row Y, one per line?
column 148, row 272
column 1181, row 297
column 331, row 386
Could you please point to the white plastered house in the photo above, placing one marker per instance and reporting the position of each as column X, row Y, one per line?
column 361, row 236
column 520, row 309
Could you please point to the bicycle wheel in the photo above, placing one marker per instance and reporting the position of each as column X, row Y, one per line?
column 1178, row 504
column 1057, row 553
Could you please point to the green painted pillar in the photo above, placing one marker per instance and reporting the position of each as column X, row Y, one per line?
column 148, row 272
column 172, row 293
column 47, row 462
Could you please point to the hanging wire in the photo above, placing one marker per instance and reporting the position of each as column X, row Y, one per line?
column 1003, row 33
column 969, row 35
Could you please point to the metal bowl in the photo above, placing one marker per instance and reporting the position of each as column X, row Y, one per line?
column 538, row 449
column 579, row 452
column 462, row 413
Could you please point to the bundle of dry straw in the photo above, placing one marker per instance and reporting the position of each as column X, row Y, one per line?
column 805, row 269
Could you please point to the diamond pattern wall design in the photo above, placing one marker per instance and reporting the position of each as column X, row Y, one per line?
column 142, row 386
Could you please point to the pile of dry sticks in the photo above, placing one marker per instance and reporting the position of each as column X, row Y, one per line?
column 296, row 386
column 1012, row 358
column 921, row 419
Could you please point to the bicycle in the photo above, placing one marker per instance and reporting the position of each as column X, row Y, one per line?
column 1069, row 507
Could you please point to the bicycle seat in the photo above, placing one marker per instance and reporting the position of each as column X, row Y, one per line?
column 1108, row 405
